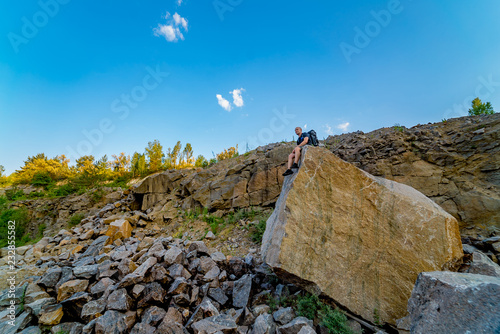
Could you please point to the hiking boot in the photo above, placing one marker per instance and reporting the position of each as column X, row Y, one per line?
column 288, row 172
column 295, row 165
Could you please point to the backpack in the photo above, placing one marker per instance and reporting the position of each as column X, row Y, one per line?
column 313, row 138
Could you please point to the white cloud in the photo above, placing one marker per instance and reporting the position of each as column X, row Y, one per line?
column 171, row 30
column 224, row 103
column 328, row 129
column 343, row 126
column 237, row 99
column 305, row 126
column 179, row 2
column 179, row 20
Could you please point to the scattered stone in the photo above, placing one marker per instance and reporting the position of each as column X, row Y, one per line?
column 93, row 309
column 210, row 236
column 295, row 326
column 50, row 278
column 211, row 325
column 264, row 324
column 284, row 315
column 198, row 246
column 112, row 322
column 119, row 300
column 51, row 315
column 481, row 264
column 153, row 315
column 241, row 291
column 69, row 288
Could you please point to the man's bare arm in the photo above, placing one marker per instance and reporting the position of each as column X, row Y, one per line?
column 304, row 142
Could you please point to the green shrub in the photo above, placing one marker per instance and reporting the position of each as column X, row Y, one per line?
column 36, row 194
column 96, row 195
column 3, row 203
column 398, row 127
column 63, row 190
column 307, row 306
column 480, row 108
column 214, row 223
column 41, row 179
column 76, row 219
column 120, row 181
column 258, row 231
column 14, row 194
column 335, row 321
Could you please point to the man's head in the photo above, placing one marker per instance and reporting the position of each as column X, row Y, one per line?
column 298, row 131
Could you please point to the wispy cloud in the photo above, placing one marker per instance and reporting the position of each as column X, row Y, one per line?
column 179, row 2
column 328, row 129
column 171, row 30
column 224, row 103
column 343, row 126
column 305, row 126
column 179, row 20
column 237, row 98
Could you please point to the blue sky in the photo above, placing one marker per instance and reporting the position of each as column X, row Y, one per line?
column 104, row 77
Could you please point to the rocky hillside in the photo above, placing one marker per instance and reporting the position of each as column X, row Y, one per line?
column 175, row 253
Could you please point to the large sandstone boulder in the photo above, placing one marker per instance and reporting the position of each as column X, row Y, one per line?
column 359, row 239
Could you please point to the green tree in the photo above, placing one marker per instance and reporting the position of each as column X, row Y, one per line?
column 155, row 155
column 121, row 164
column 35, row 157
column 188, row 154
column 138, row 164
column 3, row 178
column 228, row 153
column 175, row 153
column 39, row 163
column 168, row 160
column 200, row 161
column 479, row 108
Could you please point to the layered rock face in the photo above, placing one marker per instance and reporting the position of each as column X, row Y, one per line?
column 247, row 180
column 455, row 163
column 359, row 239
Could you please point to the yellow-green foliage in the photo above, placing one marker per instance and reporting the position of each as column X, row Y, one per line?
column 57, row 168
column 228, row 153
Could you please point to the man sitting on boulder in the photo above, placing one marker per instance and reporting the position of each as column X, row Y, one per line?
column 302, row 141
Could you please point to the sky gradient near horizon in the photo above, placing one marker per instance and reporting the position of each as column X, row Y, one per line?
column 104, row 77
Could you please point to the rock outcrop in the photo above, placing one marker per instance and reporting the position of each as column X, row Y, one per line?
column 359, row 239
column 455, row 163
column 446, row 302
